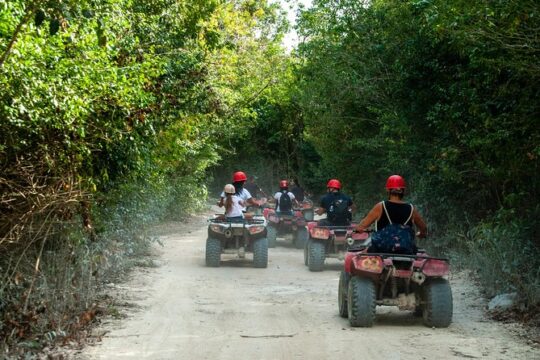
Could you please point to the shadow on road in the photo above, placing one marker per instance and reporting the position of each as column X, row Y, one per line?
column 393, row 317
column 237, row 263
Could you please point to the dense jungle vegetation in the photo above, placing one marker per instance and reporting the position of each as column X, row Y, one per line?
column 117, row 114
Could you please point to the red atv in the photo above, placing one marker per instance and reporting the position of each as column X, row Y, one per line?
column 330, row 242
column 283, row 224
column 306, row 206
column 237, row 236
column 410, row 282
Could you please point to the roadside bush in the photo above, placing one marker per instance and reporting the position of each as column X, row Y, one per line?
column 110, row 114
column 504, row 252
column 62, row 297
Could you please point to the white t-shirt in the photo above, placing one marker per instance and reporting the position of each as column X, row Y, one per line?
column 236, row 208
column 244, row 195
column 277, row 196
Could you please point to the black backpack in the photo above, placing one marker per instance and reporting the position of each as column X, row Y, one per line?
column 338, row 212
column 284, row 203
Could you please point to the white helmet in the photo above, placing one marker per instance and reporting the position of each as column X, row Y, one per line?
column 229, row 189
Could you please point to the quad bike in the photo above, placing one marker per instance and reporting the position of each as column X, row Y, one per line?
column 237, row 236
column 284, row 224
column 330, row 242
column 307, row 210
column 411, row 282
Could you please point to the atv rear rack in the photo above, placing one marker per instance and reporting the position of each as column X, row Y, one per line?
column 403, row 256
column 336, row 227
column 223, row 220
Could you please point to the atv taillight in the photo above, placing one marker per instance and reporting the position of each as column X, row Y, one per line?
column 373, row 264
column 216, row 228
column 434, row 267
column 255, row 229
column 320, row 233
column 359, row 235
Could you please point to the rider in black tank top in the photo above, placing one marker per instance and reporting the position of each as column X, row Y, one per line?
column 398, row 210
column 399, row 213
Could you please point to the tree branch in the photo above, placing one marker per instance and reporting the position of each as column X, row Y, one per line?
column 29, row 12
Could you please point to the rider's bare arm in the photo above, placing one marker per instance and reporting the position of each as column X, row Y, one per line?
column 373, row 215
column 420, row 224
column 221, row 202
column 253, row 202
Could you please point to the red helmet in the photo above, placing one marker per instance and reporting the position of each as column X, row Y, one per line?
column 283, row 184
column 334, row 183
column 239, row 176
column 395, row 182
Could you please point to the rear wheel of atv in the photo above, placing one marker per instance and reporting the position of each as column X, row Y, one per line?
column 271, row 235
column 260, row 253
column 361, row 302
column 301, row 237
column 213, row 252
column 438, row 308
column 306, row 252
column 316, row 255
column 344, row 278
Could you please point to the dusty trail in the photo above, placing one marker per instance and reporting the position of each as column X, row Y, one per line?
column 189, row 311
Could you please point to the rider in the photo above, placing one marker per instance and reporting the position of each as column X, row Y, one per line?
column 337, row 206
column 394, row 210
column 253, row 188
column 297, row 190
column 239, row 178
column 282, row 205
column 233, row 204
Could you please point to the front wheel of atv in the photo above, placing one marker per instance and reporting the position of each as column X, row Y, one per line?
column 271, row 235
column 344, row 278
column 213, row 252
column 361, row 302
column 260, row 253
column 438, row 308
column 316, row 255
column 301, row 237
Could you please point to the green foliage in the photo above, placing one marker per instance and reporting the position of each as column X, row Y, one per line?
column 444, row 93
column 110, row 114
column 509, row 258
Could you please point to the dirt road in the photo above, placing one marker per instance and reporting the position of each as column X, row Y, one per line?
column 189, row 311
